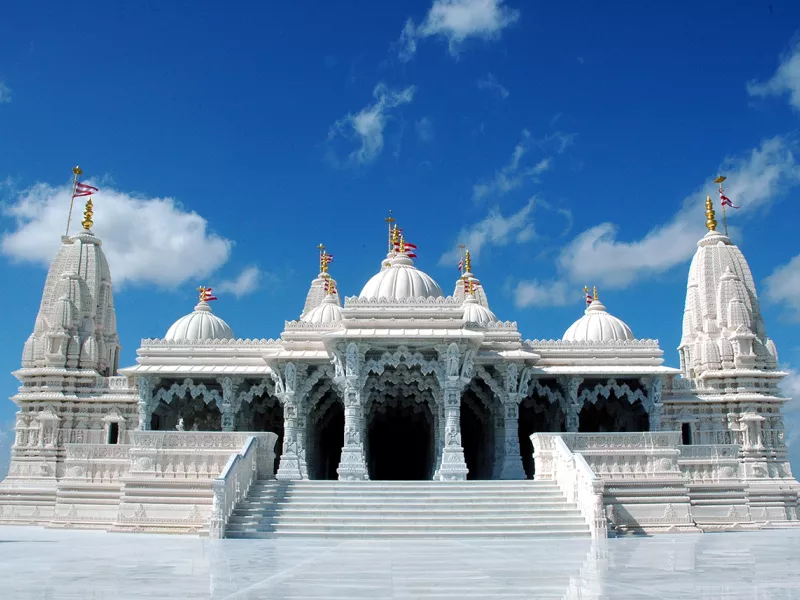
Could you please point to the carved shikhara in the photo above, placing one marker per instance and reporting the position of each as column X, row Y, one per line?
column 94, row 448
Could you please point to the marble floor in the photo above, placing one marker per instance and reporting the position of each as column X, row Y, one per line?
column 37, row 563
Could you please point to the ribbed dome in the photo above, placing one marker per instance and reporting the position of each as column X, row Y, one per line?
column 201, row 324
column 598, row 326
column 327, row 313
column 475, row 313
column 399, row 279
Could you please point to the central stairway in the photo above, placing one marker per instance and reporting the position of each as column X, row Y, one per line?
column 406, row 509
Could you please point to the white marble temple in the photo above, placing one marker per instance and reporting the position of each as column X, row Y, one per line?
column 37, row 563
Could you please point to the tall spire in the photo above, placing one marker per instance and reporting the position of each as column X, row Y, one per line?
column 711, row 222
column 467, row 261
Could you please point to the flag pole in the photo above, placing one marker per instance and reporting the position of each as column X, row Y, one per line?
column 719, row 181
column 461, row 257
column 76, row 170
column 389, row 220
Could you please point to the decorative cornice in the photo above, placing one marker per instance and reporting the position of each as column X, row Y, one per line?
column 160, row 342
column 643, row 343
column 449, row 301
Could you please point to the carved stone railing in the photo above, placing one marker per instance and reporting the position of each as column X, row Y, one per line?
column 648, row 454
column 232, row 485
column 194, row 455
column 573, row 475
column 713, row 463
column 96, row 463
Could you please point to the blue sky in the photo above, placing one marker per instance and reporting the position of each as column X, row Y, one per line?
column 567, row 144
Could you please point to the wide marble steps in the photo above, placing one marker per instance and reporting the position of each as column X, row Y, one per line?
column 406, row 509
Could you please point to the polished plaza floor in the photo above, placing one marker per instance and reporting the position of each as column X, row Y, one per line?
column 49, row 564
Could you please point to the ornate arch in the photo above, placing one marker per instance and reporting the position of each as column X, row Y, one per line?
column 188, row 388
column 264, row 387
column 620, row 391
column 402, row 356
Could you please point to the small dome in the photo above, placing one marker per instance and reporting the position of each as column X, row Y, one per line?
column 475, row 313
column 399, row 279
column 327, row 313
column 597, row 325
column 201, row 324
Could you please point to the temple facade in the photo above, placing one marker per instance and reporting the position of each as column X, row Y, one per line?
column 404, row 383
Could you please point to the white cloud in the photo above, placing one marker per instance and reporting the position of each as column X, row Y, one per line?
column 598, row 256
column 514, row 174
column 456, row 21
column 543, row 293
column 146, row 240
column 5, row 93
column 491, row 84
column 425, row 131
column 783, row 287
column 366, row 126
column 246, row 283
column 786, row 79
column 495, row 230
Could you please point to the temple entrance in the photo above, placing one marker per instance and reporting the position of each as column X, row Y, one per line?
column 192, row 413
column 477, row 437
column 536, row 415
column 611, row 415
column 263, row 413
column 400, row 441
column 325, row 438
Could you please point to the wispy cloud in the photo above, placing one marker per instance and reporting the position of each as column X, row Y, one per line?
column 783, row 287
column 490, row 84
column 5, row 93
column 456, row 21
column 245, row 283
column 425, row 131
column 496, row 230
column 514, row 173
column 366, row 127
column 146, row 240
column 786, row 79
column 598, row 256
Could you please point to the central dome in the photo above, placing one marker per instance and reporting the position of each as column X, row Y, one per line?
column 201, row 324
column 597, row 325
column 400, row 279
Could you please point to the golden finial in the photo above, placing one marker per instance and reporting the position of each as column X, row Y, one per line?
column 77, row 170
column 323, row 263
column 594, row 292
column 202, row 289
column 711, row 222
column 402, row 244
column 467, row 262
column 87, row 215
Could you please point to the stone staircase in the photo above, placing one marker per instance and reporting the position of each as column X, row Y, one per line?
column 406, row 509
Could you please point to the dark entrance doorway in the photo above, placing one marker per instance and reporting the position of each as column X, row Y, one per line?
column 536, row 415
column 263, row 413
column 613, row 415
column 400, row 442
column 325, row 438
column 477, row 437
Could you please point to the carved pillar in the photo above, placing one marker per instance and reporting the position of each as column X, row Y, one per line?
column 656, row 411
column 515, row 389
column 145, row 385
column 454, row 377
column 353, row 466
column 512, row 459
column 230, row 402
column 572, row 407
column 439, row 441
column 286, row 390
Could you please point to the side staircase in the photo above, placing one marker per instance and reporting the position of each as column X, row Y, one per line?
column 406, row 509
